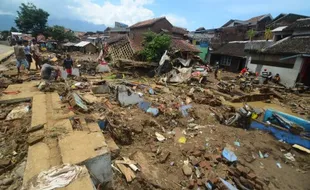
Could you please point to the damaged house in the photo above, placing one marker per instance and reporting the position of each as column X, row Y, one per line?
column 231, row 56
column 124, row 47
column 289, row 57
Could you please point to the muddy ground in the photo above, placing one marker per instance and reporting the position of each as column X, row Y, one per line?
column 162, row 163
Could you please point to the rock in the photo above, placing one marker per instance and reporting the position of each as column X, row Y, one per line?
column 191, row 184
column 34, row 139
column 205, row 164
column 199, row 182
column 4, row 162
column 20, row 170
column 164, row 156
column 197, row 153
column 247, row 183
column 251, row 176
column 187, row 170
column 7, row 181
column 194, row 161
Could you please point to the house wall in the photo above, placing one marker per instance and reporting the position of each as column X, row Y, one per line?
column 237, row 63
column 288, row 74
column 90, row 48
column 137, row 33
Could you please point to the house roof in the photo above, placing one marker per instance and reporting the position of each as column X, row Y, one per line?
column 279, row 29
column 183, row 45
column 235, row 48
column 69, row 44
column 257, row 46
column 255, row 19
column 303, row 23
column 234, row 20
column 285, row 19
column 290, row 45
column 179, row 30
column 200, row 37
column 82, row 44
column 147, row 22
column 116, row 39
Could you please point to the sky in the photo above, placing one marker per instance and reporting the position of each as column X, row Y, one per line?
column 190, row 14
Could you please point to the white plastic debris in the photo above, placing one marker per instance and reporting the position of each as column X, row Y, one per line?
column 18, row 112
column 56, row 177
column 290, row 156
column 160, row 137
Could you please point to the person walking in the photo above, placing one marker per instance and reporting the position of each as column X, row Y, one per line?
column 36, row 54
column 27, row 50
column 20, row 56
column 68, row 64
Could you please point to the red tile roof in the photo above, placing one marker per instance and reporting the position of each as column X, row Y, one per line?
column 147, row 22
column 183, row 45
column 179, row 30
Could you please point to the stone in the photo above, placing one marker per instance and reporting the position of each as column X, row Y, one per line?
column 194, row 161
column 199, row 182
column 7, row 181
column 233, row 171
column 246, row 183
column 34, row 139
column 241, row 169
column 205, row 164
column 251, row 176
column 20, row 170
column 4, row 162
column 187, row 170
column 164, row 156
column 197, row 153
column 191, row 184
column 259, row 182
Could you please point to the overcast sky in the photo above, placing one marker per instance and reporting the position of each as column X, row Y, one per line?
column 185, row 13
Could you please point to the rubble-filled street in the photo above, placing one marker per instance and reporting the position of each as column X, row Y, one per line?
column 155, row 106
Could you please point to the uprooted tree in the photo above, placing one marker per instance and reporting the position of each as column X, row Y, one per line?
column 154, row 46
column 31, row 19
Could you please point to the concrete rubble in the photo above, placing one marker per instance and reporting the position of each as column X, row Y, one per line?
column 167, row 125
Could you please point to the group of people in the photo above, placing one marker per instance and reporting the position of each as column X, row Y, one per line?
column 24, row 54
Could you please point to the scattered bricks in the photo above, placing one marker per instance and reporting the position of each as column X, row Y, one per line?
column 204, row 164
column 199, row 182
column 164, row 156
column 208, row 156
column 251, row 176
column 191, row 184
column 216, row 158
column 194, row 161
column 197, row 153
column 234, row 172
column 238, row 184
column 241, row 169
column 215, row 180
column 4, row 162
column 258, row 187
column 249, row 159
column 246, row 183
column 247, row 170
column 259, row 182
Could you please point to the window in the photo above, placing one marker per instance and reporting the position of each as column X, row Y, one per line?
column 225, row 60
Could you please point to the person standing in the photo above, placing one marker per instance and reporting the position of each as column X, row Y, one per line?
column 36, row 54
column 20, row 56
column 68, row 64
column 27, row 50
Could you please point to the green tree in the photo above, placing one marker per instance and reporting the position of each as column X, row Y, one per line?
column 268, row 34
column 4, row 34
column 251, row 33
column 154, row 46
column 31, row 19
column 59, row 33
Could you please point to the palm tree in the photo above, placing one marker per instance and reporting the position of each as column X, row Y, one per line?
column 268, row 34
column 251, row 33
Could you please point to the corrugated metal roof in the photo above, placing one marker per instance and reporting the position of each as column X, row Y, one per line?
column 279, row 29
column 82, row 44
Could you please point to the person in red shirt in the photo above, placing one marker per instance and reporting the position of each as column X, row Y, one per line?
column 68, row 64
column 244, row 70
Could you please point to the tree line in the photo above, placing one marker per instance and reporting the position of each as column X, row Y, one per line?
column 33, row 20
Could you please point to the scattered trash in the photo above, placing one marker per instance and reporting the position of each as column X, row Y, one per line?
column 191, row 120
column 260, row 154
column 56, row 177
column 279, row 165
column 228, row 185
column 18, row 112
column 127, row 97
column 290, row 157
column 197, row 172
column 187, row 170
column 144, row 106
column 151, row 91
column 229, row 155
column 184, row 109
column 182, row 140
column 266, row 155
column 301, row 148
column 160, row 137
column 153, row 111
column 237, row 143
column 76, row 101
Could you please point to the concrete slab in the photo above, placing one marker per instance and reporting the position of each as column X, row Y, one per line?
column 79, row 146
column 37, row 160
column 38, row 110
column 5, row 52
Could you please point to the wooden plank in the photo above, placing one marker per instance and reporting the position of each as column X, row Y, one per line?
column 128, row 173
